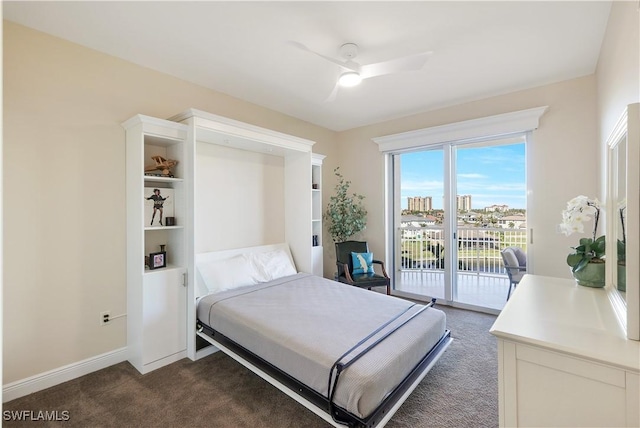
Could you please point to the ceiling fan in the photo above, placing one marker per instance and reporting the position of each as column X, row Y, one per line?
column 355, row 73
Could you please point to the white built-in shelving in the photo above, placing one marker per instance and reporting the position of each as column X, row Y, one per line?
column 161, row 303
column 156, row 298
column 316, row 214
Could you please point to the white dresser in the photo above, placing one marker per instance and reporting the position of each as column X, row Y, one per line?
column 564, row 359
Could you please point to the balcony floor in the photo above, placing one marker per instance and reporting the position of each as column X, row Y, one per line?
column 478, row 289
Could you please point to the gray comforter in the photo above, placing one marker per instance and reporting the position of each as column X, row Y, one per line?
column 303, row 323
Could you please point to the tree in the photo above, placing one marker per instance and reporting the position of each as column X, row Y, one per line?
column 345, row 213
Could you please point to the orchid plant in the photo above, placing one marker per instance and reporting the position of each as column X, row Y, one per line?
column 590, row 250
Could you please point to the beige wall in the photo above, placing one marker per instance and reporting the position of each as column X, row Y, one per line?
column 564, row 146
column 618, row 72
column 64, row 202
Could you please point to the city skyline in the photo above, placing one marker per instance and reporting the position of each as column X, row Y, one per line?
column 492, row 175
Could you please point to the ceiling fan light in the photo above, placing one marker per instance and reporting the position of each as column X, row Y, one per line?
column 349, row 78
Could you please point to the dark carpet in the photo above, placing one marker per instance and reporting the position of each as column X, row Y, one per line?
column 460, row 391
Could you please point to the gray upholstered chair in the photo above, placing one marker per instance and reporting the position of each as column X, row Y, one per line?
column 515, row 263
column 344, row 264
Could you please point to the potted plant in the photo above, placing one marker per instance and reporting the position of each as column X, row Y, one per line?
column 345, row 214
column 587, row 259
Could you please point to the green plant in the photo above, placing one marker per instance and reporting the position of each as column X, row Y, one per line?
column 345, row 213
column 590, row 250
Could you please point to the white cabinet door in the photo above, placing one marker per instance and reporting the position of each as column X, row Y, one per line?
column 164, row 314
column 540, row 388
column 316, row 261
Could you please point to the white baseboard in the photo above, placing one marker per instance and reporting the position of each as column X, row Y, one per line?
column 57, row 376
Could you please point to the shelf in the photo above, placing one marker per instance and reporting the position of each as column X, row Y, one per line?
column 162, row 179
column 316, row 214
column 157, row 298
column 148, row 271
column 162, row 227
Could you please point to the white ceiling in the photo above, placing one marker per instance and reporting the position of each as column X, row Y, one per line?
column 480, row 49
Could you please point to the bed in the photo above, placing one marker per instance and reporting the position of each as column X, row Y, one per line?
column 350, row 355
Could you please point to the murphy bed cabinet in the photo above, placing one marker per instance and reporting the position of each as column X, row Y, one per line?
column 156, row 298
column 161, row 302
column 564, row 359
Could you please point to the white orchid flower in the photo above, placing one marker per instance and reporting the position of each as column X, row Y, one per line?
column 578, row 202
column 579, row 211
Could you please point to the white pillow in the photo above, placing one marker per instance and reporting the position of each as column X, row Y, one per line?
column 227, row 274
column 274, row 264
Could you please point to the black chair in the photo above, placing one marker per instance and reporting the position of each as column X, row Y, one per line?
column 345, row 267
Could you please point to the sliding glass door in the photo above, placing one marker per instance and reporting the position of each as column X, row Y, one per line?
column 460, row 204
column 421, row 235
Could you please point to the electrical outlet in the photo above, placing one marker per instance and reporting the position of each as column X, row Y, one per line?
column 105, row 317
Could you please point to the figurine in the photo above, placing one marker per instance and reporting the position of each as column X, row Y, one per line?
column 158, row 204
column 163, row 165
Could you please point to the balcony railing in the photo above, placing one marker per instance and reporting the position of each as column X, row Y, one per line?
column 422, row 248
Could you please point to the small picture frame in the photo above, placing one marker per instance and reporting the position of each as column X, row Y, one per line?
column 158, row 260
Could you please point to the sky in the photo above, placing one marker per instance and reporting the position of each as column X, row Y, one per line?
column 492, row 175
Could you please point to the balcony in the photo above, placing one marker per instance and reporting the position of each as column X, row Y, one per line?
column 481, row 277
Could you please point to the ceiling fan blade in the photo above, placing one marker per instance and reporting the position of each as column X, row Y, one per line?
column 328, row 58
column 397, row 65
column 333, row 94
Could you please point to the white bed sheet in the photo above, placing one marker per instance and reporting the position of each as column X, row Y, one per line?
column 303, row 323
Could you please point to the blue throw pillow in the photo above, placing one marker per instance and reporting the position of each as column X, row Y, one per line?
column 362, row 263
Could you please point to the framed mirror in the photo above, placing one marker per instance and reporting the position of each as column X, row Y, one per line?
column 622, row 214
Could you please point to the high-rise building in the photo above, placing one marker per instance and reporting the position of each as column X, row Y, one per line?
column 463, row 202
column 419, row 203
